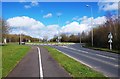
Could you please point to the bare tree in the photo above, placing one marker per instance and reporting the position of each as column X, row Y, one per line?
column 4, row 29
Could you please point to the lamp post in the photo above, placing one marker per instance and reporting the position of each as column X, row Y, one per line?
column 20, row 37
column 91, row 22
column 58, row 30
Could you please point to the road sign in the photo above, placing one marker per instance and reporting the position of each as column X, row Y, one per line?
column 59, row 37
column 29, row 41
column 5, row 41
column 110, row 35
column 110, row 41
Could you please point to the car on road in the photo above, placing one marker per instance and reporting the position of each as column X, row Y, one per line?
column 23, row 43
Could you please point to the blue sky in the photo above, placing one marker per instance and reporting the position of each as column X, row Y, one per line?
column 74, row 17
column 67, row 10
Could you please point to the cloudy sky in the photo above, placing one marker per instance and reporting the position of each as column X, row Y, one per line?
column 39, row 19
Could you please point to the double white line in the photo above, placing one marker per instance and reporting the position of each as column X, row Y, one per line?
column 40, row 64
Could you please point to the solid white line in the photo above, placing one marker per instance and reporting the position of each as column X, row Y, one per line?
column 115, row 65
column 75, row 59
column 40, row 64
column 79, row 61
column 91, row 53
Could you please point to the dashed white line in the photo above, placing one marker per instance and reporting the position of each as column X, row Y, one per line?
column 93, row 54
column 106, row 56
column 40, row 64
column 115, row 65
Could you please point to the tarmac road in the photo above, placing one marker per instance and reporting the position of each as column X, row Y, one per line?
column 104, row 62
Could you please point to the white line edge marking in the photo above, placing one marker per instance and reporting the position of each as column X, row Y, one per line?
column 75, row 59
column 40, row 64
column 93, row 58
column 95, row 54
column 79, row 61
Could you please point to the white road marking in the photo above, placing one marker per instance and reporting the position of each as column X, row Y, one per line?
column 75, row 59
column 106, row 56
column 80, row 61
column 40, row 64
column 93, row 54
column 115, row 65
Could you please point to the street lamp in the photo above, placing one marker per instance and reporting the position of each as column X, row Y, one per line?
column 58, row 31
column 91, row 21
column 20, row 37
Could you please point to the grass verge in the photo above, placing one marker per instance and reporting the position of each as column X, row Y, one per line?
column 75, row 68
column 0, row 62
column 104, row 49
column 11, row 55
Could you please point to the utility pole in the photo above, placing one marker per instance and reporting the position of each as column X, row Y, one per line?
column 58, row 30
column 20, row 37
column 91, row 23
column 80, row 37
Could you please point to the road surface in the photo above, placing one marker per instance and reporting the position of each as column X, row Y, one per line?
column 29, row 66
column 104, row 62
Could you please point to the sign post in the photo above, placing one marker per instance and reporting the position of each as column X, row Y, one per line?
column 110, row 40
column 5, row 41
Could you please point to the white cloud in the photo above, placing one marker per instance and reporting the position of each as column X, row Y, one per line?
column 50, row 31
column 32, row 4
column 27, row 6
column 85, row 25
column 74, row 27
column 22, row 1
column 99, row 20
column 108, row 6
column 67, row 22
column 109, row 0
column 47, row 15
column 83, row 18
column 32, row 27
column 76, row 18
column 24, row 21
column 95, row 21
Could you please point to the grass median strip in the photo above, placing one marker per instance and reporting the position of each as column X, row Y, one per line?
column 75, row 68
column 11, row 55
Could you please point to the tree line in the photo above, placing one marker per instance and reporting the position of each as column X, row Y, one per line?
column 4, row 34
column 24, row 38
column 100, row 35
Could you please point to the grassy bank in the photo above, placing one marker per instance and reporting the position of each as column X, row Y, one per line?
column 103, row 49
column 11, row 55
column 75, row 68
column 0, row 62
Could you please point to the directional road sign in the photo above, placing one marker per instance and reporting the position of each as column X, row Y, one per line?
column 110, row 41
column 110, row 35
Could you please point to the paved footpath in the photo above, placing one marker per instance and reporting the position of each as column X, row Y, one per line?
column 50, row 67
column 29, row 66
